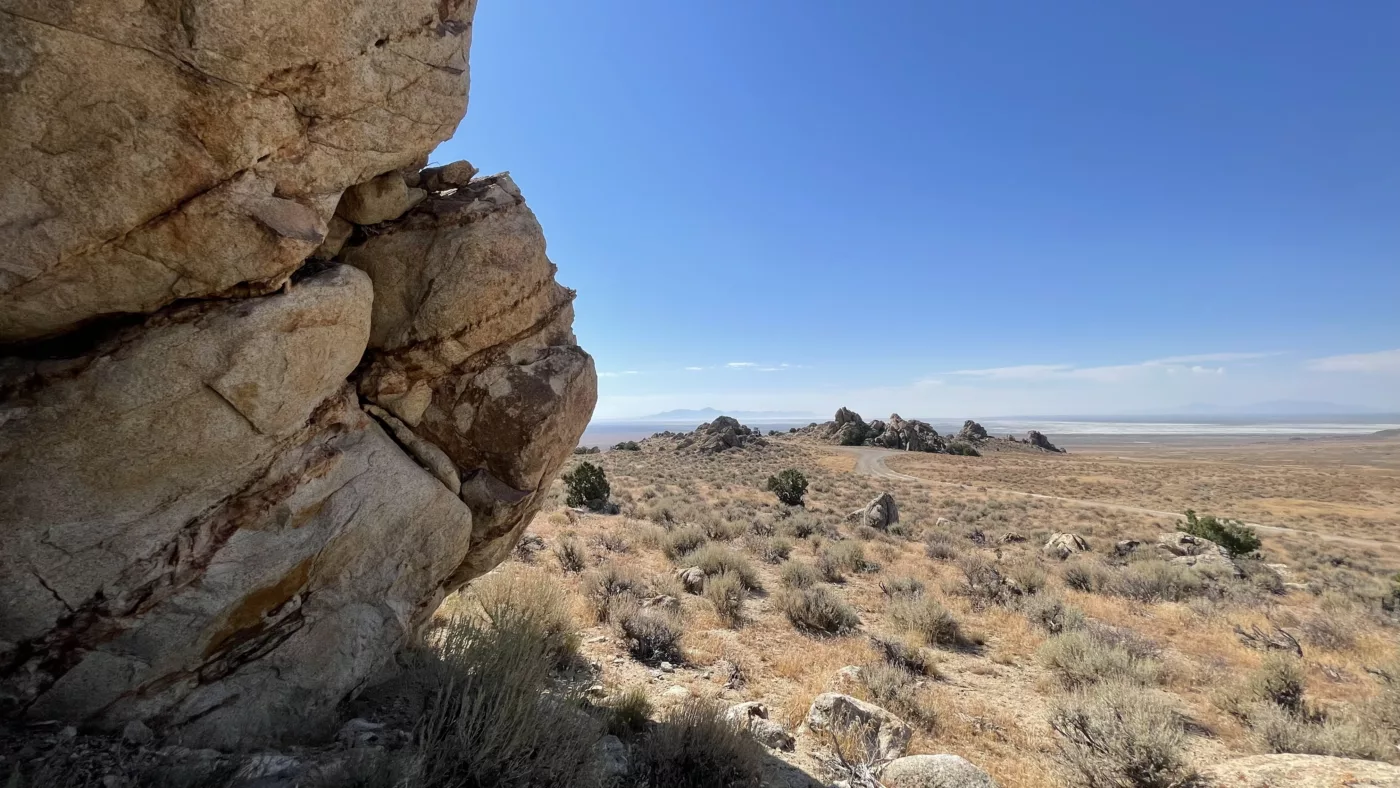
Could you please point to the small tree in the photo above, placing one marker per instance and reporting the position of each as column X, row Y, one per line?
column 627, row 446
column 1236, row 537
column 789, row 485
column 587, row 486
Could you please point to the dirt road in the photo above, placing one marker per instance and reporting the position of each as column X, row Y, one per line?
column 871, row 462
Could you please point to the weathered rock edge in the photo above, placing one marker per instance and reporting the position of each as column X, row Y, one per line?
column 248, row 440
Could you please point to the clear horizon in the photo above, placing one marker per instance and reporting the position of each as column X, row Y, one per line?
column 959, row 209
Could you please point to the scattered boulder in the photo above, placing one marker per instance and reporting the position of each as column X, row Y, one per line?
column 1125, row 547
column 1064, row 545
column 1300, row 771
column 881, row 513
column 850, row 675
column 972, row 432
column 754, row 716
column 448, row 176
column 379, row 199
column 1179, row 543
column 1213, row 562
column 935, row 771
column 692, row 578
column 1195, row 551
column 1037, row 439
column 614, row 761
column 886, row 735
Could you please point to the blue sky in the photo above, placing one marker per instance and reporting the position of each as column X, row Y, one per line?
column 959, row 209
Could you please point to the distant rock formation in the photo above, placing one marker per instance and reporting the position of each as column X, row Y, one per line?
column 972, row 431
column 1038, row 440
column 722, row 434
column 847, row 428
column 268, row 389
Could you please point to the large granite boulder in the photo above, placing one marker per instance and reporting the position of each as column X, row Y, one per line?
column 252, row 430
column 885, row 735
column 1299, row 771
column 150, row 155
column 882, row 512
column 935, row 771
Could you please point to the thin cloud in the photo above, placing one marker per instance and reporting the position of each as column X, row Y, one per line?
column 618, row 374
column 694, row 369
column 1113, row 372
column 1379, row 362
column 740, row 364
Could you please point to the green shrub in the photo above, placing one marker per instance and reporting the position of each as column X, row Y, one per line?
column 490, row 720
column 726, row 592
column 516, row 596
column 796, row 574
column 983, row 583
column 571, row 554
column 587, row 485
column 789, row 485
column 1120, row 736
column 1155, row 580
column 896, row 689
column 609, row 583
column 628, row 711
column 1051, row 614
column 1279, row 681
column 835, row 558
column 963, row 449
column 695, row 747
column 680, row 541
column 1278, row 730
column 1085, row 575
column 769, row 549
column 1079, row 659
column 627, row 446
column 1233, row 535
column 652, row 636
column 818, row 610
column 940, row 546
column 897, row 587
column 897, row 652
column 716, row 559
column 931, row 621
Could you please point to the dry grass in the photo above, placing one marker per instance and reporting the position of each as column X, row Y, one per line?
column 1165, row 631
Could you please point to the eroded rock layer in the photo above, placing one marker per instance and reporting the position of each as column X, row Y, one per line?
column 267, row 391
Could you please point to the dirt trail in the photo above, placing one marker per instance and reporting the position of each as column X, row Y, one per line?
column 871, row 462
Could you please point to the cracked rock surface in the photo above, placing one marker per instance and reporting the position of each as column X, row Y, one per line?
column 267, row 391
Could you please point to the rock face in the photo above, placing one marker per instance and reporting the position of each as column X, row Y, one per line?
column 267, row 392
column 881, row 513
column 1300, row 771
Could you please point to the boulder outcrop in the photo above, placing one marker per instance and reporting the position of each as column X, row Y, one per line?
column 847, row 428
column 722, row 434
column 267, row 391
